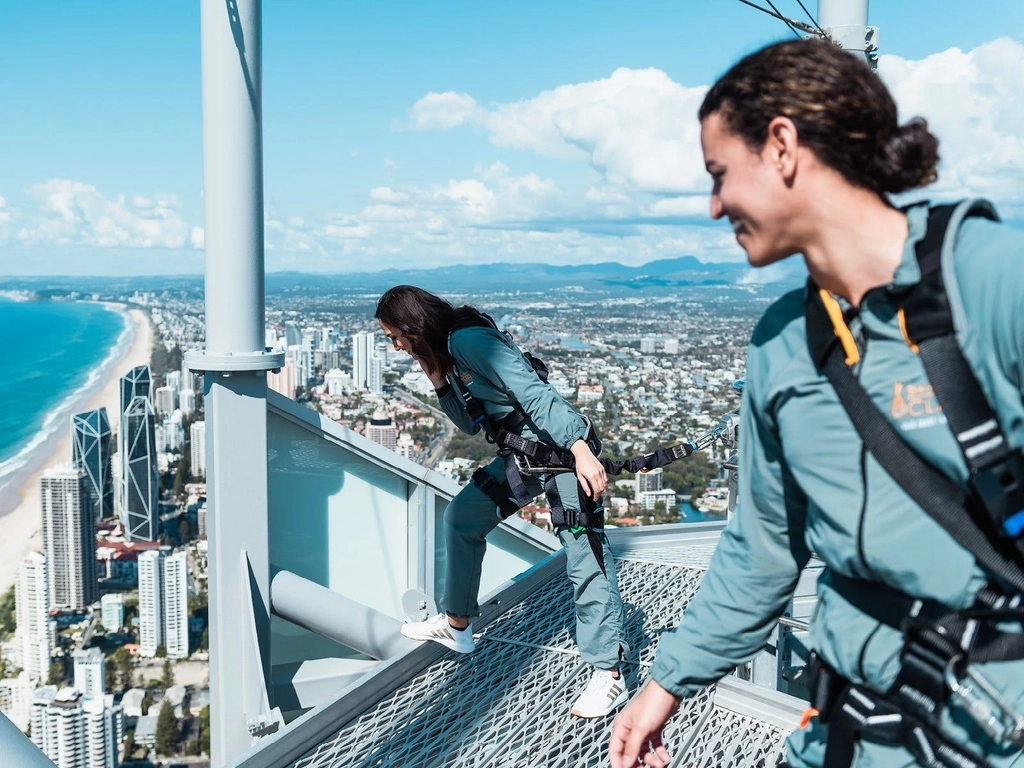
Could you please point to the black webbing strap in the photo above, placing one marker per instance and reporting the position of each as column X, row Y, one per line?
column 937, row 495
column 949, row 505
column 902, row 612
column 860, row 713
column 496, row 492
column 545, row 455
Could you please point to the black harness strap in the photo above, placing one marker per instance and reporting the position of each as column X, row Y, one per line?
column 964, row 516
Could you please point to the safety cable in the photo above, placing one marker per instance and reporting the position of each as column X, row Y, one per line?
column 793, row 24
column 814, row 21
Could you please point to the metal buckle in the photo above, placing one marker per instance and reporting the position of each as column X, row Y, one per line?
column 527, row 467
column 986, row 707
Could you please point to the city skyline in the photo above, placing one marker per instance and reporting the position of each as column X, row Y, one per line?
column 398, row 135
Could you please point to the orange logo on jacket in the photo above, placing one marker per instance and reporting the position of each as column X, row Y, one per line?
column 913, row 400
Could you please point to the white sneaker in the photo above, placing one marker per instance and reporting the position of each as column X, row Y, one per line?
column 438, row 629
column 603, row 694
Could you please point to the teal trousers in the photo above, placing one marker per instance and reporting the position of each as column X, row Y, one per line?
column 471, row 515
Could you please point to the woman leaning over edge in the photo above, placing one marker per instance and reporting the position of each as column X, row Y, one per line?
column 804, row 148
column 460, row 348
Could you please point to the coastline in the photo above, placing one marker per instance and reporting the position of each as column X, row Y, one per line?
column 21, row 510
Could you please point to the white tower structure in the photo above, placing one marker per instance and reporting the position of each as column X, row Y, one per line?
column 112, row 611
column 151, row 601
column 197, row 443
column 362, row 354
column 90, row 673
column 165, row 398
column 69, row 538
column 102, row 732
column 32, row 605
column 58, row 726
column 175, row 607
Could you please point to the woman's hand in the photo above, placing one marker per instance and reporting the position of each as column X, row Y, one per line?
column 589, row 471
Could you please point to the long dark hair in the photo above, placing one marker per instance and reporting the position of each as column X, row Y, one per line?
column 425, row 320
column 842, row 112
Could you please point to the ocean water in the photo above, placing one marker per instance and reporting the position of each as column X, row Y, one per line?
column 57, row 355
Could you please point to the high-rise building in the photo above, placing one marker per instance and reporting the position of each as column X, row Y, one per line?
column 376, row 383
column 16, row 699
column 58, row 725
column 139, row 471
column 381, row 430
column 176, row 605
column 164, row 399
column 671, row 346
column 647, row 344
column 649, row 481
column 90, row 673
column 69, row 538
column 151, row 601
column 173, row 379
column 292, row 333
column 136, row 383
column 32, row 607
column 283, row 381
column 91, row 446
column 197, row 444
column 102, row 732
column 406, row 447
column 187, row 401
column 301, row 359
column 112, row 611
column 362, row 354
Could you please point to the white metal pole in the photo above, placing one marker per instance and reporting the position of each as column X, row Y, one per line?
column 235, row 385
column 233, row 175
column 846, row 23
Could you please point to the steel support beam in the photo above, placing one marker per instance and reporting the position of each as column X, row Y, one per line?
column 335, row 616
column 235, row 386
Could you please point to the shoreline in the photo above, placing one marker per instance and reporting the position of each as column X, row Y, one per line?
column 20, row 509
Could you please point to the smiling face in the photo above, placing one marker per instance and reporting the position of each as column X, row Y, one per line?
column 751, row 190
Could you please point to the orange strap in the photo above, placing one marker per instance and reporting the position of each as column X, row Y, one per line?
column 842, row 331
column 809, row 714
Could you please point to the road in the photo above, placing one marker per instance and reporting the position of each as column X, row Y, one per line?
column 439, row 445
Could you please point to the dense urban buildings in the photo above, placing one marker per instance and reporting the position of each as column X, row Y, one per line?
column 32, row 606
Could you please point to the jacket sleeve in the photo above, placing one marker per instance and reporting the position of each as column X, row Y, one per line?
column 753, row 571
column 487, row 353
column 455, row 409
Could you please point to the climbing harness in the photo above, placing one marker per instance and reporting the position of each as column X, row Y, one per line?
column 941, row 646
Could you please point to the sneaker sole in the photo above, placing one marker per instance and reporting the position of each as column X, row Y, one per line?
column 450, row 644
column 615, row 704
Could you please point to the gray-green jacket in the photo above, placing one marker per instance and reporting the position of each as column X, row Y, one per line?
column 807, row 484
column 497, row 374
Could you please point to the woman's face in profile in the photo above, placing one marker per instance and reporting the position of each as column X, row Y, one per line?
column 748, row 190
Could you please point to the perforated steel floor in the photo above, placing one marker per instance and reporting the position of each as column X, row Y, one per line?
column 508, row 703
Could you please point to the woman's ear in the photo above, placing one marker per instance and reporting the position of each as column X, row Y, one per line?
column 781, row 147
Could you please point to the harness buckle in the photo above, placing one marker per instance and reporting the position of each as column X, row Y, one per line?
column 986, row 707
column 528, row 467
column 999, row 487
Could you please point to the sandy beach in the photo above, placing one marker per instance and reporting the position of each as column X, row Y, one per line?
column 20, row 528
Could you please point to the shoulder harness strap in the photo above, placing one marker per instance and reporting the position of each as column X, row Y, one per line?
column 989, row 520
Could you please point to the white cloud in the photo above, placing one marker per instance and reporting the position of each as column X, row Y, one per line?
column 197, row 238
column 442, row 111
column 974, row 103
column 75, row 213
column 637, row 128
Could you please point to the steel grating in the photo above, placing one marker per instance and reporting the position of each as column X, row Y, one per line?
column 508, row 704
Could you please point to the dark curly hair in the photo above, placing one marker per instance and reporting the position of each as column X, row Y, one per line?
column 425, row 320
column 842, row 112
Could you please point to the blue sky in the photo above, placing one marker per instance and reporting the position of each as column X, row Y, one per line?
column 411, row 133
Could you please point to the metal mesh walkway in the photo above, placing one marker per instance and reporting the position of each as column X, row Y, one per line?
column 508, row 703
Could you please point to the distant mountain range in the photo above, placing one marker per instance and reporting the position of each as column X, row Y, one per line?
column 605, row 277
